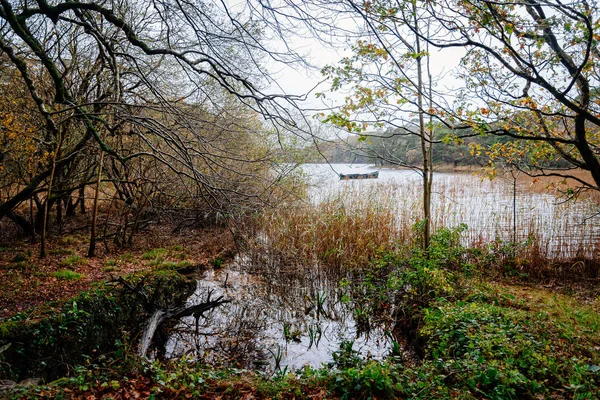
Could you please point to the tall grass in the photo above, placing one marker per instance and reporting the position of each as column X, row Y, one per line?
column 347, row 226
column 343, row 230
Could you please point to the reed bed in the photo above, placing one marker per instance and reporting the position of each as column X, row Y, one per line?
column 346, row 224
column 341, row 230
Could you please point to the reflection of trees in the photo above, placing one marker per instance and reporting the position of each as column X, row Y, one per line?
column 307, row 301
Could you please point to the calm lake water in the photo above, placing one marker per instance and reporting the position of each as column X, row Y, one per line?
column 563, row 229
column 273, row 320
column 290, row 316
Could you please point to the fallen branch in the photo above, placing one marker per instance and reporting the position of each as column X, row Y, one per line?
column 160, row 316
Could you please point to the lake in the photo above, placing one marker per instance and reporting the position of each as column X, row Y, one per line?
column 563, row 229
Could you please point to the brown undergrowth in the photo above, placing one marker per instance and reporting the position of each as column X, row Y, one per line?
column 28, row 281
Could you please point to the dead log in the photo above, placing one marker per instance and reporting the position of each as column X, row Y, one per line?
column 160, row 316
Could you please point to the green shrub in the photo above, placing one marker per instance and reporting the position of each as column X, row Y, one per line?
column 405, row 282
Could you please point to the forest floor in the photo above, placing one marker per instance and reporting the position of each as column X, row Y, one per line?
column 28, row 281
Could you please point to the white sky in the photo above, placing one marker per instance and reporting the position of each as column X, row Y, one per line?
column 298, row 81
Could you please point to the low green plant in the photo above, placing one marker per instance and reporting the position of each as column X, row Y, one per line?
column 217, row 263
column 69, row 240
column 128, row 257
column 155, row 254
column 277, row 356
column 111, row 262
column 73, row 261
column 171, row 265
column 67, row 275
column 499, row 352
column 346, row 357
column 61, row 251
column 315, row 333
column 21, row 266
column 367, row 380
column 290, row 333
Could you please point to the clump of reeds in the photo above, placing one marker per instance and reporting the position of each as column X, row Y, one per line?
column 343, row 230
column 352, row 225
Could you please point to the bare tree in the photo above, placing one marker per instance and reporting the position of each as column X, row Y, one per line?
column 178, row 84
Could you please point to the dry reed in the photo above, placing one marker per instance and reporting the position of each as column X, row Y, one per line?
column 347, row 225
column 341, row 231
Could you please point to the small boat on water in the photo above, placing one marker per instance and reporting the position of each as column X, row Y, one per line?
column 368, row 175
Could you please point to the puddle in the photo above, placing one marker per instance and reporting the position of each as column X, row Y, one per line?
column 276, row 319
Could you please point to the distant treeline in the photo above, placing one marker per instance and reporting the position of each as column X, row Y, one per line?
column 398, row 147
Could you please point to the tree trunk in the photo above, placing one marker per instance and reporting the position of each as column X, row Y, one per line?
column 583, row 146
column 39, row 214
column 49, row 196
column 159, row 316
column 21, row 221
column 92, row 249
column 59, row 214
column 31, row 221
column 81, row 200
column 70, row 206
column 425, row 144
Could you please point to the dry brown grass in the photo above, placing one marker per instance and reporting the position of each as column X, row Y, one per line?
column 340, row 231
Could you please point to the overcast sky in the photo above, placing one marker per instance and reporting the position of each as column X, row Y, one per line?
column 300, row 80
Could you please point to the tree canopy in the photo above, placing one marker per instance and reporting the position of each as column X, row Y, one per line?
column 174, row 101
column 173, row 94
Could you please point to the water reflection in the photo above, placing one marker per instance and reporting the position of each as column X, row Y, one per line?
column 278, row 318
